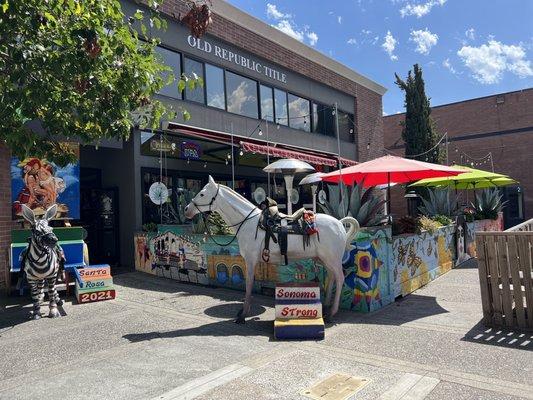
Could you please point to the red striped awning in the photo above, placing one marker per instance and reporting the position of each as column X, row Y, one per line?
column 286, row 153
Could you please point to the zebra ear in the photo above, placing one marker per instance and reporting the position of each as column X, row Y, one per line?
column 51, row 212
column 27, row 214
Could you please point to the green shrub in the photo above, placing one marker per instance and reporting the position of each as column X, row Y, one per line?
column 428, row 224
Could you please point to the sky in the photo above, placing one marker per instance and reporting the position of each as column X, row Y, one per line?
column 466, row 48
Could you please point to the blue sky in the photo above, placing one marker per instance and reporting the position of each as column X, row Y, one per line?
column 467, row 48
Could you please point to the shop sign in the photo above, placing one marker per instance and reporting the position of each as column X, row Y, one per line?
column 96, row 296
column 239, row 59
column 95, row 273
column 299, row 311
column 158, row 145
column 191, row 150
column 297, row 292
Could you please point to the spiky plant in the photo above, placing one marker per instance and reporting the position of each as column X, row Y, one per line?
column 439, row 202
column 357, row 202
column 488, row 204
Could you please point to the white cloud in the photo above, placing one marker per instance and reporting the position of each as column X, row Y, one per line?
column 285, row 23
column 339, row 19
column 389, row 45
column 424, row 40
column 366, row 32
column 352, row 41
column 470, row 34
column 313, row 38
column 288, row 28
column 420, row 9
column 489, row 61
column 448, row 65
column 274, row 13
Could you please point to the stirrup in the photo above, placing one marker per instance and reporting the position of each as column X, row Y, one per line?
column 265, row 255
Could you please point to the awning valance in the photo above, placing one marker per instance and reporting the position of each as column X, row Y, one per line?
column 285, row 153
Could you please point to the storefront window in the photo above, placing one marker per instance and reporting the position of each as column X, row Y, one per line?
column 299, row 115
column 280, row 101
column 173, row 60
column 241, row 95
column 214, row 84
column 267, row 103
column 323, row 119
column 192, row 68
column 345, row 123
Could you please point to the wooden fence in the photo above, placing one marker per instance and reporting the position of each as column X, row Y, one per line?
column 505, row 264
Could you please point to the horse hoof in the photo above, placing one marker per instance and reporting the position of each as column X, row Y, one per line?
column 36, row 316
column 328, row 318
column 54, row 313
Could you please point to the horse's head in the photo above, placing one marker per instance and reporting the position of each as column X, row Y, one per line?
column 204, row 200
column 42, row 233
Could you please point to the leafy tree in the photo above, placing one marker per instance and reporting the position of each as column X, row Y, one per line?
column 419, row 132
column 76, row 70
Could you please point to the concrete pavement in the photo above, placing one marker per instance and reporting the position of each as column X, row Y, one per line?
column 164, row 340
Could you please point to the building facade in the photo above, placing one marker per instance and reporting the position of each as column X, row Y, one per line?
column 265, row 96
column 493, row 132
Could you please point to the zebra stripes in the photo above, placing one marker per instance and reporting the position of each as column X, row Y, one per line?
column 41, row 261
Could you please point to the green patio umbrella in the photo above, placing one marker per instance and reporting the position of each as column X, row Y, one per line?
column 472, row 179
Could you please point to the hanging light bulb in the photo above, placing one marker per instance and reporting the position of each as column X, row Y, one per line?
column 188, row 161
column 226, row 162
column 333, row 112
column 351, row 130
column 205, row 165
column 260, row 133
column 229, row 156
column 241, row 153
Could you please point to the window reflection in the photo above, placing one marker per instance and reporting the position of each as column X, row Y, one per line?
column 267, row 103
column 280, row 101
column 214, row 84
column 173, row 60
column 299, row 115
column 192, row 68
column 242, row 95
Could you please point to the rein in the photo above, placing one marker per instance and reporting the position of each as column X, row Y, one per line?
column 206, row 221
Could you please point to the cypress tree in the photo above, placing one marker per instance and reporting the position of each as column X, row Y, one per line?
column 419, row 132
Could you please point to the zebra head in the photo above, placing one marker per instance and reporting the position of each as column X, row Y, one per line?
column 42, row 233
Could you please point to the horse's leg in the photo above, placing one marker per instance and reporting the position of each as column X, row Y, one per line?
column 58, row 300
column 250, row 272
column 52, row 295
column 37, row 297
column 329, row 289
column 339, row 282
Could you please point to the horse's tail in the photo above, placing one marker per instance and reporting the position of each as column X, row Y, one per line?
column 352, row 230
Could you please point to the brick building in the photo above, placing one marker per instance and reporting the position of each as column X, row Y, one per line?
column 496, row 130
column 257, row 80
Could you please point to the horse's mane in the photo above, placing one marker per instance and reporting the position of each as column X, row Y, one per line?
column 238, row 196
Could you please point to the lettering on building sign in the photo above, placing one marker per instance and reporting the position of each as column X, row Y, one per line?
column 236, row 58
column 96, row 296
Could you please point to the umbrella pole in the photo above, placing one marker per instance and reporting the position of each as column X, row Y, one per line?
column 388, row 198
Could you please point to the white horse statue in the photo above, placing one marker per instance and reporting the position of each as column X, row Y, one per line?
column 243, row 216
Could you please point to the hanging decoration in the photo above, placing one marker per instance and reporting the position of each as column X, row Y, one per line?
column 198, row 18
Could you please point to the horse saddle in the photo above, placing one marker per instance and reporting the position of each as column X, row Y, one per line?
column 275, row 223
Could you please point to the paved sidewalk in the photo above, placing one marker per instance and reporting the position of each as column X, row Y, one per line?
column 164, row 340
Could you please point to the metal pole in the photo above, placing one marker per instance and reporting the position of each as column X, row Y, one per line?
column 160, row 173
column 339, row 151
column 447, row 143
column 388, row 198
column 268, row 158
column 232, row 160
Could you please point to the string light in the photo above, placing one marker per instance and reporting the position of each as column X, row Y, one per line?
column 260, row 133
column 188, row 161
column 241, row 153
column 205, row 164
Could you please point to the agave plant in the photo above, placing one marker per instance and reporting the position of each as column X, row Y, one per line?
column 439, row 202
column 488, row 204
column 357, row 202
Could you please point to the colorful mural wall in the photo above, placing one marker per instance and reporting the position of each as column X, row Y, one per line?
column 173, row 253
column 466, row 248
column 38, row 184
column 418, row 259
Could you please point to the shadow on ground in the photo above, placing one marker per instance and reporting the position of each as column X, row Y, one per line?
column 514, row 339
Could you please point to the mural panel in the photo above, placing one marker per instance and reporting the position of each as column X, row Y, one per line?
column 418, row 259
column 39, row 183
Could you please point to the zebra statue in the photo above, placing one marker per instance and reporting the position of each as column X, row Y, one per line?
column 40, row 261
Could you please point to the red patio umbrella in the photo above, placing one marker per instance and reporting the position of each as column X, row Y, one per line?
column 387, row 169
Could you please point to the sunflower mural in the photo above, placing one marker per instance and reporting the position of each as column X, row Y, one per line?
column 363, row 278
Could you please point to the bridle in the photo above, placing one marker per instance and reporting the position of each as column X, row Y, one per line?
column 206, row 221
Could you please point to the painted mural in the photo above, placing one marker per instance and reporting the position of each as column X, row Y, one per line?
column 173, row 253
column 366, row 283
column 467, row 249
column 39, row 183
column 418, row 259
